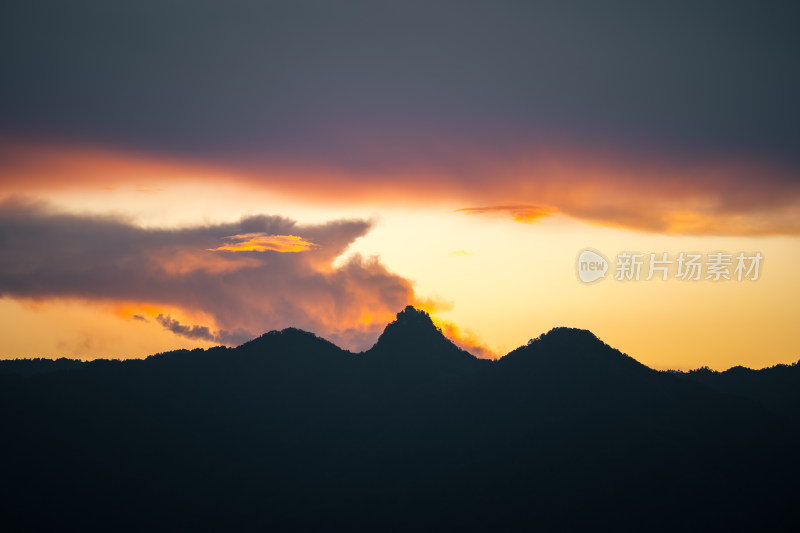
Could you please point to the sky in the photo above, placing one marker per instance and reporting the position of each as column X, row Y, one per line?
column 185, row 174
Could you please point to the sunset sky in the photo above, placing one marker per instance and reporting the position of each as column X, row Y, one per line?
column 182, row 174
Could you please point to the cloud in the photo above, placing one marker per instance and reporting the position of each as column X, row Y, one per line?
column 460, row 253
column 723, row 195
column 465, row 339
column 527, row 214
column 261, row 242
column 231, row 338
column 609, row 114
column 223, row 81
column 46, row 254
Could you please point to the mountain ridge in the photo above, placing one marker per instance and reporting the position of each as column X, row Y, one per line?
column 289, row 431
column 409, row 322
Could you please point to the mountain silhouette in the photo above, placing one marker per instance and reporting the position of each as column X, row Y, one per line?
column 290, row 432
column 413, row 336
column 413, row 347
column 569, row 349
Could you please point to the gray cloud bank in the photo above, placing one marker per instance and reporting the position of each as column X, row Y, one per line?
column 314, row 80
column 47, row 254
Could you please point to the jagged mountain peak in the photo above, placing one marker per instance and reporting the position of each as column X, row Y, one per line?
column 411, row 326
column 413, row 336
column 411, row 317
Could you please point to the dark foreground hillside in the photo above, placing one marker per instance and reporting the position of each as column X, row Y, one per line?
column 289, row 432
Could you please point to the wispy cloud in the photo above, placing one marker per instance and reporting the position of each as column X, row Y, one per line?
column 232, row 338
column 528, row 214
column 460, row 253
column 261, row 242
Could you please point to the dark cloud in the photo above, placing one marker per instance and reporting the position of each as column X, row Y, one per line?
column 662, row 116
column 47, row 254
column 312, row 80
column 233, row 338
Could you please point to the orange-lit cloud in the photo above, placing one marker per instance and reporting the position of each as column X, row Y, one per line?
column 261, row 242
column 721, row 195
column 527, row 214
column 464, row 339
column 31, row 167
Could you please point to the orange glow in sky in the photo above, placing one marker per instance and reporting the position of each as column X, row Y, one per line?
column 458, row 251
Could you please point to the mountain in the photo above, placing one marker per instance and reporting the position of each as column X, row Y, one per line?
column 570, row 350
column 413, row 338
column 776, row 387
column 413, row 351
column 30, row 367
column 290, row 432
